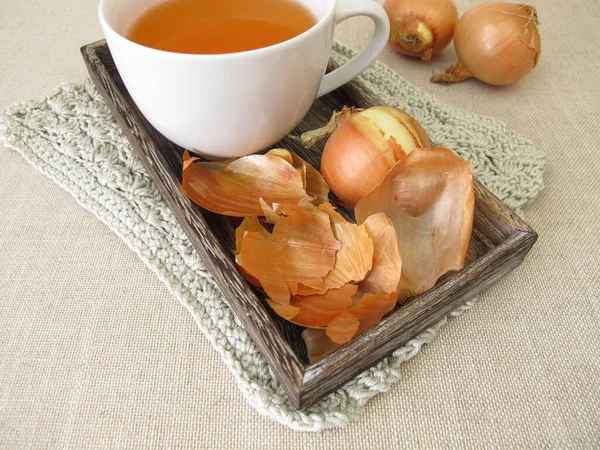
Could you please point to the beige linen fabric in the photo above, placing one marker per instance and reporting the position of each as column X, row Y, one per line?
column 95, row 352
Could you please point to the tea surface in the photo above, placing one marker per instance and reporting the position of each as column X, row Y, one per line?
column 221, row 26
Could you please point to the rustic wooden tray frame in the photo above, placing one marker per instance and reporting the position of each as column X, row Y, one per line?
column 499, row 243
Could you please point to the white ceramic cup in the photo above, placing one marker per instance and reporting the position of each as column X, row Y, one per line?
column 231, row 105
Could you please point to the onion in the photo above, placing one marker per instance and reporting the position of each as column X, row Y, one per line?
column 365, row 146
column 421, row 27
column 497, row 43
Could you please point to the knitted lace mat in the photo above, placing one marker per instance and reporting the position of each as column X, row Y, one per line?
column 71, row 137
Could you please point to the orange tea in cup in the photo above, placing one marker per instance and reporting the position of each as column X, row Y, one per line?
column 227, row 86
column 219, row 26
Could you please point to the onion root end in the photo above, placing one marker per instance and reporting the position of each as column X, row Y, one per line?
column 454, row 74
column 412, row 38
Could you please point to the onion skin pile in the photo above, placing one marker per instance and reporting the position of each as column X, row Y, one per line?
column 414, row 208
column 497, row 43
column 421, row 28
column 364, row 147
column 321, row 271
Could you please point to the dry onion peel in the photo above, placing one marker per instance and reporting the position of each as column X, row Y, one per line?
column 319, row 345
column 269, row 211
column 430, row 199
column 235, row 187
column 249, row 224
column 365, row 147
column 342, row 328
column 314, row 183
column 288, row 312
column 339, row 310
column 355, row 259
column 387, row 262
column 316, row 310
column 365, row 304
column 300, row 251
column 284, row 154
column 320, row 310
column 319, row 298
column 374, row 318
column 421, row 27
column 497, row 43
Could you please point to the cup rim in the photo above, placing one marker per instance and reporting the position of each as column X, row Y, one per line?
column 263, row 51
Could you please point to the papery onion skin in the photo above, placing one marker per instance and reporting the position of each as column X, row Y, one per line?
column 249, row 224
column 342, row 328
column 300, row 251
column 319, row 345
column 336, row 301
column 421, row 28
column 497, row 43
column 355, row 259
column 362, row 150
column 246, row 186
column 235, row 187
column 365, row 305
column 316, row 311
column 429, row 197
column 387, row 261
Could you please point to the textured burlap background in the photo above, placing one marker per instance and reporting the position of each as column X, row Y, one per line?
column 95, row 352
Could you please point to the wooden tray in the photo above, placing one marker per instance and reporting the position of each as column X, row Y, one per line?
column 499, row 243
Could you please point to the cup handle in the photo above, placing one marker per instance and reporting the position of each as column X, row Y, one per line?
column 345, row 10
